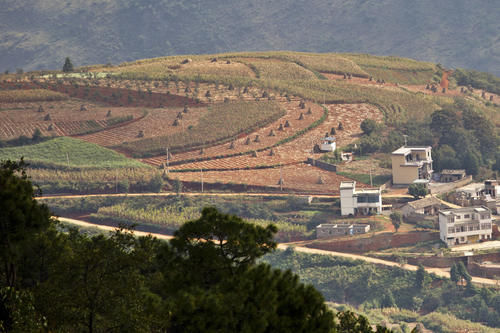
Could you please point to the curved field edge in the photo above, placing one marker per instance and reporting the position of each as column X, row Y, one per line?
column 248, row 152
column 212, row 128
column 68, row 153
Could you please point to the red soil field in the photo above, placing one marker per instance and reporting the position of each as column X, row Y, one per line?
column 65, row 117
column 298, row 150
column 297, row 178
column 109, row 95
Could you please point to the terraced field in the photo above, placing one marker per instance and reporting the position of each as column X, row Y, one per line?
column 58, row 119
column 300, row 178
column 247, row 113
column 157, row 122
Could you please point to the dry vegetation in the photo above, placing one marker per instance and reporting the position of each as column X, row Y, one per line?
column 34, row 95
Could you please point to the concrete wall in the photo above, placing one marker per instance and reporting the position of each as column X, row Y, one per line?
column 375, row 242
column 448, row 187
column 322, row 165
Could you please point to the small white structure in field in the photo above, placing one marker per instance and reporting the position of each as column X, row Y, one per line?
column 335, row 230
column 364, row 201
column 328, row 144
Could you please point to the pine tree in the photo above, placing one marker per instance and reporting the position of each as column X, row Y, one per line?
column 68, row 66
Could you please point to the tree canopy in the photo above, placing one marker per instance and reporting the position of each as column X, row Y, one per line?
column 68, row 66
column 206, row 279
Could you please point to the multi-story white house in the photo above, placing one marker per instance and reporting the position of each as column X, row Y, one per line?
column 464, row 225
column 410, row 164
column 362, row 201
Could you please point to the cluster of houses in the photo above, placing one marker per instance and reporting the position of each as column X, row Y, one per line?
column 470, row 224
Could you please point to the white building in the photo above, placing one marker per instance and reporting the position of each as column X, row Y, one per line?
column 335, row 230
column 328, row 144
column 363, row 201
column 411, row 163
column 464, row 225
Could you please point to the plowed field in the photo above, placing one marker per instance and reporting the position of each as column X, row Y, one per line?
column 299, row 178
column 298, row 150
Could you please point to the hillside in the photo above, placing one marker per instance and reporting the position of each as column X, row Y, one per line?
column 39, row 34
column 251, row 120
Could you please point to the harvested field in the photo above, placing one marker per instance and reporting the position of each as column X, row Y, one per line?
column 221, row 123
column 66, row 118
column 240, row 146
column 278, row 69
column 12, row 96
column 141, row 97
column 295, row 151
column 158, row 122
column 296, row 178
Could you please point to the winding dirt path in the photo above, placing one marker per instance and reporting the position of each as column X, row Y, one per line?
column 283, row 246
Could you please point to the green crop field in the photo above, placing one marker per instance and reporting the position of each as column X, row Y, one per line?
column 70, row 153
column 222, row 122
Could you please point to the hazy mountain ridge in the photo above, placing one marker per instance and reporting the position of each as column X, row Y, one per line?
column 39, row 34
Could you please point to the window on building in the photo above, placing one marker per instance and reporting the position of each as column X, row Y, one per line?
column 467, row 216
column 451, row 230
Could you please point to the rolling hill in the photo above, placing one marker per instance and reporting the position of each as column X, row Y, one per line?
column 38, row 34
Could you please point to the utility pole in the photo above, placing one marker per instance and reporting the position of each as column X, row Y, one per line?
column 201, row 171
column 371, row 180
column 281, row 178
column 67, row 158
column 168, row 156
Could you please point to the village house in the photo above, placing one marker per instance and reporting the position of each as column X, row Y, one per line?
column 336, row 230
column 425, row 206
column 361, row 201
column 451, row 175
column 474, row 194
column 328, row 144
column 410, row 164
column 465, row 225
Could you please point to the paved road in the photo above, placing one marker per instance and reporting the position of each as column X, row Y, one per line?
column 438, row 271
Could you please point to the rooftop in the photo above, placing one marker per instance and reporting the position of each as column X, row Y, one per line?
column 348, row 184
column 425, row 202
column 472, row 209
column 474, row 187
column 405, row 150
column 453, row 172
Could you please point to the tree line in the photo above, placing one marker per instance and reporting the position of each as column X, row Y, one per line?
column 206, row 279
column 462, row 137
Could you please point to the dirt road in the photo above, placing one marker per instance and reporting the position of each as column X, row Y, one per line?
column 438, row 271
column 219, row 194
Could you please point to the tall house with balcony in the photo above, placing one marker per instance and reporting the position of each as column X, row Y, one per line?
column 410, row 164
column 362, row 201
column 465, row 225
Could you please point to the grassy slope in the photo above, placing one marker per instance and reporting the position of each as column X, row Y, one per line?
column 81, row 154
column 39, row 34
column 288, row 71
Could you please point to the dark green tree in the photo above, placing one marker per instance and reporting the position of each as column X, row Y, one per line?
column 22, row 219
column 418, row 190
column 368, row 126
column 442, row 121
column 421, row 278
column 471, row 163
column 454, row 273
column 68, row 66
column 212, row 282
column 396, row 219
